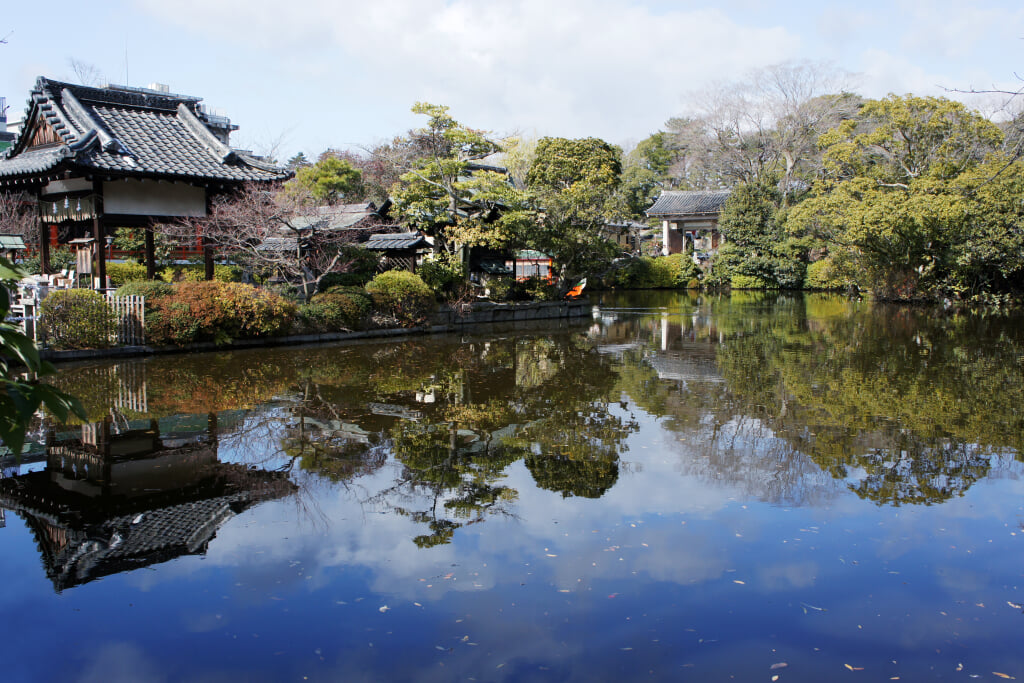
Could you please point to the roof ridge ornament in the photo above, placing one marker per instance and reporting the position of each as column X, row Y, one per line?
column 201, row 133
column 107, row 141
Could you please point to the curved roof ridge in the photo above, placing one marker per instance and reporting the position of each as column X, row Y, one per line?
column 200, row 132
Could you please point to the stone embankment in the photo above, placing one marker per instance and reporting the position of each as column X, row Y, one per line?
column 444, row 321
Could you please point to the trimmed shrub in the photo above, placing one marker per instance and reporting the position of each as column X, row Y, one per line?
column 402, row 296
column 749, row 282
column 122, row 273
column 340, row 309
column 824, row 275
column 77, row 319
column 151, row 289
column 197, row 273
column 663, row 272
column 217, row 311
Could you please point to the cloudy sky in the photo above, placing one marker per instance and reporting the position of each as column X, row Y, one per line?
column 311, row 74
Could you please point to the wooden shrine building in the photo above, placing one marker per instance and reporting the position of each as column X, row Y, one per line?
column 689, row 217
column 97, row 159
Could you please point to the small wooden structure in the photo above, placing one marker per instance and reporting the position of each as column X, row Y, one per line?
column 398, row 251
column 689, row 216
column 97, row 159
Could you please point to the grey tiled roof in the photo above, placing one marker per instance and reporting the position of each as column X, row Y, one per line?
column 141, row 134
column 684, row 203
column 400, row 240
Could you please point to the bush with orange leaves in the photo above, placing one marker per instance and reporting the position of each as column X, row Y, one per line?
column 218, row 312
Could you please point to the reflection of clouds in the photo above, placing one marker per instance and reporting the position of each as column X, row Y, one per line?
column 745, row 455
column 777, row 577
column 121, row 663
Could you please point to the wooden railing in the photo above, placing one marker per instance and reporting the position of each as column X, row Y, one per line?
column 130, row 327
column 129, row 324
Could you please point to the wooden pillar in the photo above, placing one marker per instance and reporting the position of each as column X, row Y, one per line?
column 99, row 233
column 207, row 259
column 150, row 253
column 44, row 247
column 101, row 252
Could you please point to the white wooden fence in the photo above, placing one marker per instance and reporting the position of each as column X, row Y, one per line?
column 130, row 326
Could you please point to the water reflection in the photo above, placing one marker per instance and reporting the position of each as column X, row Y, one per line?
column 121, row 495
column 790, row 400
column 681, row 485
column 903, row 405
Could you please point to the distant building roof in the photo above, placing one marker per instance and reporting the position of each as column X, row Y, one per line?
column 11, row 242
column 688, row 203
column 396, row 241
column 127, row 132
column 344, row 216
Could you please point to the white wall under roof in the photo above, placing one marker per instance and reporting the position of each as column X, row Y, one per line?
column 153, row 198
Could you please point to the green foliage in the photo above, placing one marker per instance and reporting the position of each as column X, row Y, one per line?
column 20, row 397
column 748, row 282
column 760, row 254
column 121, row 273
column 77, row 319
column 638, row 191
column 339, row 309
column 663, row 272
column 912, row 204
column 328, row 180
column 217, row 311
column 362, row 266
column 827, row 275
column 402, row 296
column 61, row 258
column 133, row 240
column 151, row 289
column 197, row 273
column 572, row 184
column 441, row 195
column 444, row 273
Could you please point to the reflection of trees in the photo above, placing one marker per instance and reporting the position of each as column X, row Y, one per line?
column 456, row 470
column 905, row 405
column 450, row 416
column 573, row 438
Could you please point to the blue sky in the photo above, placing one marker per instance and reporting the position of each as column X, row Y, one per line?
column 312, row 74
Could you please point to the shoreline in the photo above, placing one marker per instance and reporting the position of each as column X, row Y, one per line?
column 443, row 321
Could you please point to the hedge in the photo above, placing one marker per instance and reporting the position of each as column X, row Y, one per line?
column 77, row 319
column 217, row 311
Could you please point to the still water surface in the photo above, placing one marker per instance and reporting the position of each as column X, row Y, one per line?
column 681, row 488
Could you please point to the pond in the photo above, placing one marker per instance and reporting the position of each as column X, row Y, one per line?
column 680, row 487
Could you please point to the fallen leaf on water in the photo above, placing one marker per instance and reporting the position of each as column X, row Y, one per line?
column 1002, row 675
column 739, row 582
column 1014, row 605
column 854, row 668
column 779, row 665
column 550, row 555
column 383, row 609
column 775, row 677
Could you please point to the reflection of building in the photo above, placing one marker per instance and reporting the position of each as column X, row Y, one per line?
column 111, row 502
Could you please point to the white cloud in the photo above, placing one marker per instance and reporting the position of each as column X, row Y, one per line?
column 574, row 67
